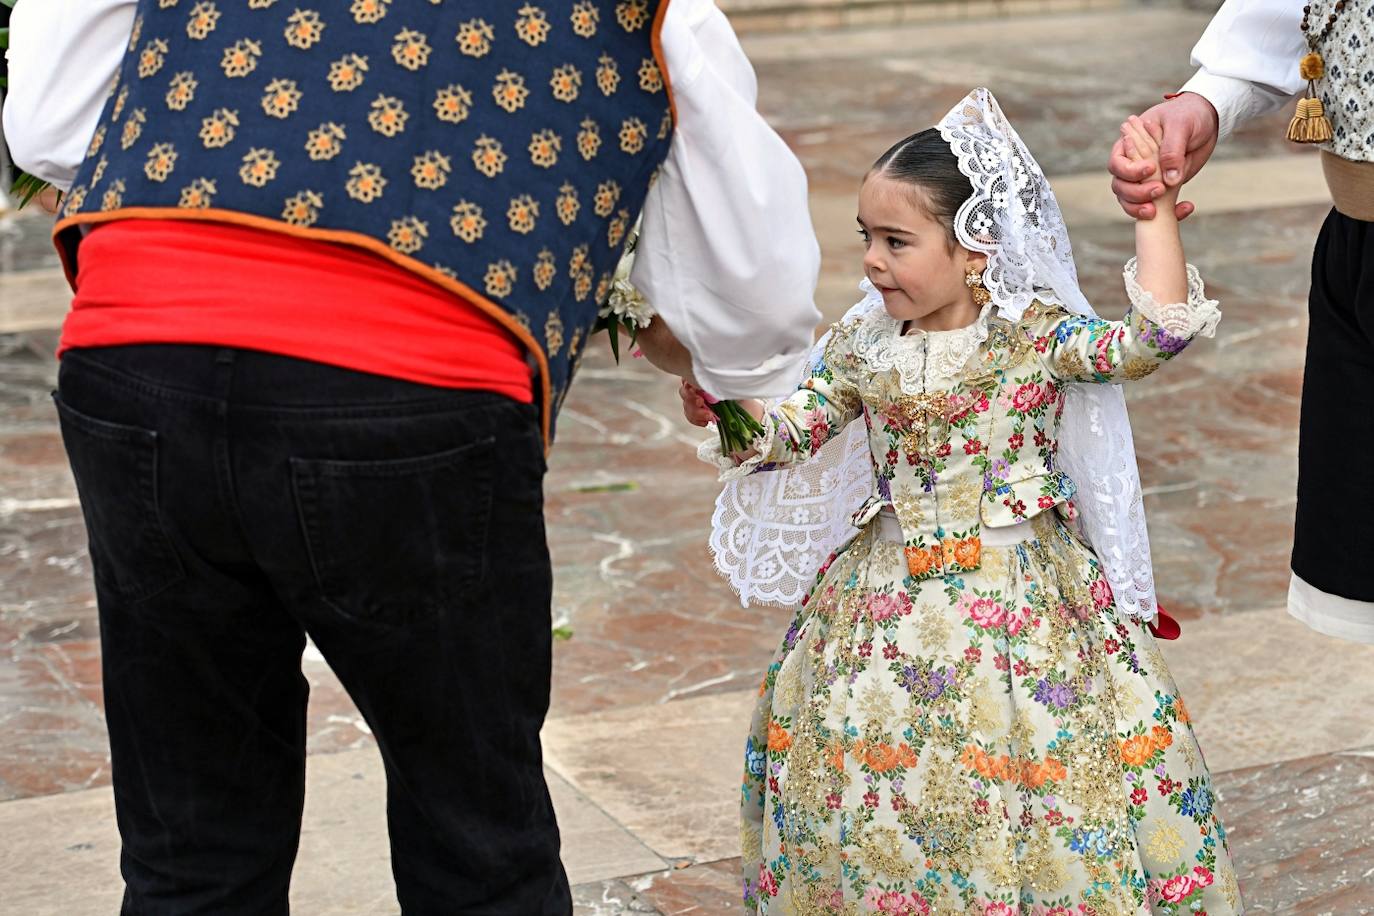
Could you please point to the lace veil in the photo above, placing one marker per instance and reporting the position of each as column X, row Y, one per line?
column 771, row 531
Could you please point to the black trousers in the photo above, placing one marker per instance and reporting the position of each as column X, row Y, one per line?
column 237, row 501
column 1333, row 544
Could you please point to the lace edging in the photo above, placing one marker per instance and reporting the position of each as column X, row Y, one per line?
column 709, row 451
column 1198, row 317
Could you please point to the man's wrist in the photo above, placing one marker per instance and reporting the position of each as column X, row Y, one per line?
column 1224, row 96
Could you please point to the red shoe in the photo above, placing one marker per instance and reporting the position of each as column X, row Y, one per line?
column 1164, row 626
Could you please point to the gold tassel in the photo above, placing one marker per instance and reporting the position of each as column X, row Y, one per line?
column 1310, row 124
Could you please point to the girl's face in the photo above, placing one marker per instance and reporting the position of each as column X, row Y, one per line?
column 910, row 260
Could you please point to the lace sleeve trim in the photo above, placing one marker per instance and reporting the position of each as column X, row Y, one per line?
column 1196, row 317
column 709, row 452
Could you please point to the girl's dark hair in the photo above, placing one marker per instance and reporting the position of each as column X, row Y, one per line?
column 925, row 160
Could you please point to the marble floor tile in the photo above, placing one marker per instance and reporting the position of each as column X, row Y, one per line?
column 68, row 862
column 669, row 772
column 1262, row 688
column 1301, row 835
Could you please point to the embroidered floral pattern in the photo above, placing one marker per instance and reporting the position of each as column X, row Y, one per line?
column 199, row 194
column 453, row 104
column 150, row 60
column 161, row 160
column 411, row 49
column 585, row 16
column 281, row 99
column 303, row 29
column 953, row 727
column 544, row 148
column 500, row 278
column 650, row 77
column 588, row 139
column 532, row 26
column 408, row 234
column 346, row 73
column 369, row 11
column 204, row 18
column 522, row 214
column 241, row 58
column 302, row 209
column 632, row 135
column 365, row 182
column 181, row 91
column 467, row 221
column 545, row 269
column 607, row 196
column 475, row 37
column 632, row 14
column 567, row 205
column 431, row 170
column 607, row 75
column 510, row 92
column 325, row 142
column 133, row 128
column 553, row 333
column 388, row 116
column 259, row 167
column 566, row 83
column 488, row 156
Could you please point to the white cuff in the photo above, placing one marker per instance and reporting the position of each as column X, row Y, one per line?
column 773, row 378
column 710, row 452
column 1185, row 320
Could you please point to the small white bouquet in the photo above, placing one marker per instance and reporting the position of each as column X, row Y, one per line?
column 625, row 310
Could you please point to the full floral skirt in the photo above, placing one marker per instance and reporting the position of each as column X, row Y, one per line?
column 1001, row 742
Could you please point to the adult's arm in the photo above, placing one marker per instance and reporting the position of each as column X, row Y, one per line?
column 1247, row 62
column 63, row 57
column 727, row 254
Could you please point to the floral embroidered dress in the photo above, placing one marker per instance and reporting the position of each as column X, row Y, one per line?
column 958, row 719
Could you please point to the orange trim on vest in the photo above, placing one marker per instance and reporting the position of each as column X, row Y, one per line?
column 656, row 41
column 340, row 236
column 367, row 242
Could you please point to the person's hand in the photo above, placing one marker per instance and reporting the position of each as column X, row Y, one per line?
column 694, row 405
column 1187, row 131
column 1140, row 144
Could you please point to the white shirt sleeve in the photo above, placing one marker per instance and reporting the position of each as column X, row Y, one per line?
column 727, row 254
column 1248, row 59
column 63, row 55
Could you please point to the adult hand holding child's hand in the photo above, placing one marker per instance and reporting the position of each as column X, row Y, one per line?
column 1187, row 128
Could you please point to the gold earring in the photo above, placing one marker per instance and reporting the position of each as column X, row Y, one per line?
column 974, row 281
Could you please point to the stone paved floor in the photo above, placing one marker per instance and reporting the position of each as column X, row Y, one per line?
column 652, row 690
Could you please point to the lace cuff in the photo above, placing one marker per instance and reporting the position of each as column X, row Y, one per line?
column 1196, row 317
column 709, row 452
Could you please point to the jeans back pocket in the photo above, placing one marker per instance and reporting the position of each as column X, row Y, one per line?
column 399, row 541
column 116, row 471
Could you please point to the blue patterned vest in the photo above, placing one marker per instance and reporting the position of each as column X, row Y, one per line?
column 501, row 150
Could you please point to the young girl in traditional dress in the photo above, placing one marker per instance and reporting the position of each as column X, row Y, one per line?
column 968, row 713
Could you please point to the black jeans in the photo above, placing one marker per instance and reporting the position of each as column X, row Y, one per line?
column 237, row 501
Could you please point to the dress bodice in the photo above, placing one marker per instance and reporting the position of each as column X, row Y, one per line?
column 963, row 425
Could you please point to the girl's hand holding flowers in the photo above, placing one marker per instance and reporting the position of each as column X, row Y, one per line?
column 737, row 421
column 695, row 407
